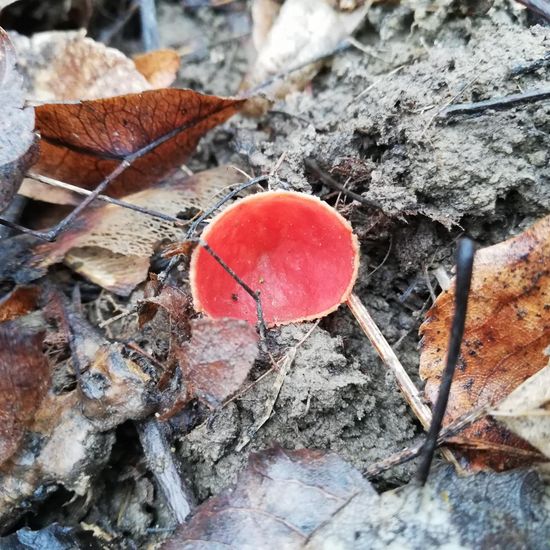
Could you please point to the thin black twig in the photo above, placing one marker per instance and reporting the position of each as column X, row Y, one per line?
column 331, row 182
column 531, row 66
column 464, row 265
column 254, row 294
column 498, row 103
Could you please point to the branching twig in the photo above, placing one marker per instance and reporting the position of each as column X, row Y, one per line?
column 464, row 265
column 412, row 452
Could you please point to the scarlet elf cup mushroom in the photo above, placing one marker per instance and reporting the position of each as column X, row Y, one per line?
column 297, row 251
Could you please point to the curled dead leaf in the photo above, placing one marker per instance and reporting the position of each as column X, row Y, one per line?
column 67, row 65
column 20, row 301
column 507, row 330
column 17, row 139
column 82, row 143
column 302, row 31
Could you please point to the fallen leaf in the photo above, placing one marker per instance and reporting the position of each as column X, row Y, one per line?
column 84, row 142
column 314, row 500
column 507, row 330
column 17, row 139
column 280, row 499
column 526, row 411
column 480, row 511
column 66, row 65
column 217, row 359
column 20, row 301
column 24, row 380
column 303, row 30
column 159, row 67
column 112, row 246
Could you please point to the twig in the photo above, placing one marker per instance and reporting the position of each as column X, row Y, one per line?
column 531, row 67
column 149, row 26
column 110, row 200
column 541, row 7
column 505, row 102
column 412, row 452
column 160, row 461
column 341, row 47
column 464, row 265
column 254, row 294
column 386, row 353
column 331, row 182
column 125, row 163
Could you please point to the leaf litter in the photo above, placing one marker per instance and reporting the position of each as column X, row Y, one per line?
column 334, row 395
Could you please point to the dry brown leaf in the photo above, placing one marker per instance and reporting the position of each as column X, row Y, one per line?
column 507, row 330
column 82, row 143
column 279, row 500
column 112, row 246
column 303, row 30
column 526, row 411
column 17, row 139
column 159, row 67
column 217, row 359
column 24, row 381
column 66, row 65
column 20, row 301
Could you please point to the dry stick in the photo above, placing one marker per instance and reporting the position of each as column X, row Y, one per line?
column 505, row 102
column 342, row 46
column 159, row 457
column 541, row 7
column 386, row 353
column 531, row 67
column 255, row 295
column 464, row 265
column 331, row 182
column 125, row 163
column 412, row 452
column 104, row 198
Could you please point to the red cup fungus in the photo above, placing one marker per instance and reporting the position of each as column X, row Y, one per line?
column 299, row 252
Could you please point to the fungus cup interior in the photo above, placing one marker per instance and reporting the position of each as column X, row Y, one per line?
column 299, row 252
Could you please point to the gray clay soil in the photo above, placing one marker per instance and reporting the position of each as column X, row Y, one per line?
column 371, row 120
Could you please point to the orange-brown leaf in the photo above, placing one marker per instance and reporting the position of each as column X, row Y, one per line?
column 218, row 358
column 20, row 301
column 24, row 380
column 82, row 143
column 159, row 67
column 507, row 330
